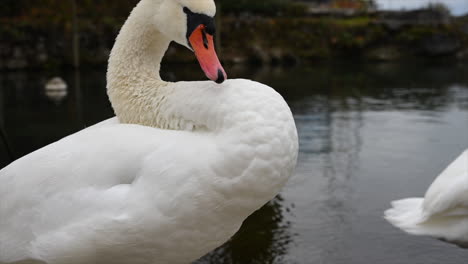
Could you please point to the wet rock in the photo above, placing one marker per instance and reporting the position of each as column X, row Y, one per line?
column 17, row 60
column 440, row 44
column 464, row 28
column 428, row 17
column 41, row 52
column 386, row 53
column 258, row 55
column 290, row 59
column 463, row 55
column 276, row 56
column 238, row 59
column 4, row 49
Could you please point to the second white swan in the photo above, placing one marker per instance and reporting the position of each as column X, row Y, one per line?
column 443, row 212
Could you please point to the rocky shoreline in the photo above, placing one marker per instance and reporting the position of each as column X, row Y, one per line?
column 255, row 39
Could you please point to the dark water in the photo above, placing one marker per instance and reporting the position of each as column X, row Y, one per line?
column 369, row 134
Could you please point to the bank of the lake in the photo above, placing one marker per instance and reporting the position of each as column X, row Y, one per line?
column 246, row 38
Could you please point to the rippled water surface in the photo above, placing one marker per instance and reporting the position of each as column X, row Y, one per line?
column 369, row 134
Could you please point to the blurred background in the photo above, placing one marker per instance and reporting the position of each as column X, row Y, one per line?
column 379, row 91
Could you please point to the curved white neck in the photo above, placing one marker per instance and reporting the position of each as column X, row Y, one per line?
column 133, row 71
column 139, row 48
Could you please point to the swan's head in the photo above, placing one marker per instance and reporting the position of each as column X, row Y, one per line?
column 191, row 24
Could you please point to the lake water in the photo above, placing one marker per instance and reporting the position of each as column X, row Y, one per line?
column 369, row 134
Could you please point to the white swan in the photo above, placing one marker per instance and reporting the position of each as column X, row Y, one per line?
column 170, row 191
column 443, row 212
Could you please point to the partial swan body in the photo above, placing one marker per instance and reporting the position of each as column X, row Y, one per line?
column 443, row 212
column 167, row 180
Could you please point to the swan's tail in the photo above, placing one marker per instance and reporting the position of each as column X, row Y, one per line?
column 409, row 216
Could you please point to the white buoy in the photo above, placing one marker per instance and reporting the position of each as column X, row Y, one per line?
column 56, row 89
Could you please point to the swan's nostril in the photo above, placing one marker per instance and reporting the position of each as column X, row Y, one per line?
column 205, row 39
column 220, row 77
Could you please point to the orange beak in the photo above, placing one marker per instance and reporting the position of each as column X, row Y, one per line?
column 203, row 46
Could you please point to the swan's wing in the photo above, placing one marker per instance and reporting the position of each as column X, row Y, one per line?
column 448, row 194
column 99, row 156
column 84, row 177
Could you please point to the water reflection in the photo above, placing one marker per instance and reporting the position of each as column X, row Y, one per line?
column 336, row 123
column 330, row 142
column 31, row 120
column 362, row 130
column 263, row 238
